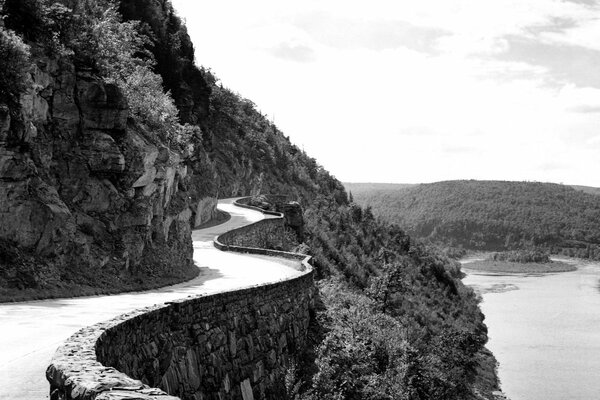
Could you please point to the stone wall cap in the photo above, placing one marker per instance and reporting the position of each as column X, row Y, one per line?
column 75, row 369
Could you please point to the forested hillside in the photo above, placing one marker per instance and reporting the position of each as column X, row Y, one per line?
column 587, row 189
column 397, row 322
column 114, row 145
column 494, row 215
column 249, row 152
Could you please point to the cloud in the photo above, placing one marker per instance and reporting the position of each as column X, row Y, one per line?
column 564, row 62
column 417, row 131
column 377, row 35
column 554, row 25
column 590, row 3
column 551, row 166
column 430, row 79
column 585, row 109
column 298, row 53
column 458, row 149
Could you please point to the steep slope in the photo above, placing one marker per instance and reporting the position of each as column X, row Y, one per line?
column 238, row 151
column 494, row 215
column 174, row 54
column 91, row 199
column 87, row 128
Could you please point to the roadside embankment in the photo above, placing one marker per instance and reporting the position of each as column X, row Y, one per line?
column 227, row 345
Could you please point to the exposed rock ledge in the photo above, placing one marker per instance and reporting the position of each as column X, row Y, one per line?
column 227, row 346
column 83, row 186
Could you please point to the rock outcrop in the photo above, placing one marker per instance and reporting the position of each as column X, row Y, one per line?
column 82, row 188
column 294, row 218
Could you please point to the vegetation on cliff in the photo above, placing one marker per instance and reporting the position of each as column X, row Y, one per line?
column 394, row 321
column 397, row 323
column 493, row 215
column 13, row 79
column 93, row 189
column 238, row 151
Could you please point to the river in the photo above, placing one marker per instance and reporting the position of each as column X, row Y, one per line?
column 545, row 331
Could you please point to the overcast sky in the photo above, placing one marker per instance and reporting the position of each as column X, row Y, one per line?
column 418, row 91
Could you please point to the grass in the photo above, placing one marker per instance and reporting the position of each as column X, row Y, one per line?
column 515, row 267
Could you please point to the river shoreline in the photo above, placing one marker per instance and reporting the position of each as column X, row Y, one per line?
column 542, row 329
column 518, row 268
column 480, row 263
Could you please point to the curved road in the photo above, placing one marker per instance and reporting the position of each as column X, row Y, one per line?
column 31, row 331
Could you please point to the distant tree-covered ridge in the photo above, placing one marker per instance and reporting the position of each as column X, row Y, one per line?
column 493, row 215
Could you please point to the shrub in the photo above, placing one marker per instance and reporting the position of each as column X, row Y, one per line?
column 25, row 17
column 116, row 49
column 148, row 103
column 94, row 33
column 521, row 256
column 14, row 56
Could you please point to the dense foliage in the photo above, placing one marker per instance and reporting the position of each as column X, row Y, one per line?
column 249, row 152
column 94, row 35
column 173, row 51
column 521, row 256
column 253, row 156
column 397, row 322
column 15, row 61
column 494, row 215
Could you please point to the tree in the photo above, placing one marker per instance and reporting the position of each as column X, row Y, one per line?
column 387, row 289
column 14, row 56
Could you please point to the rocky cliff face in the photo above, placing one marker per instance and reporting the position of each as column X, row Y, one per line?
column 85, row 190
column 89, row 198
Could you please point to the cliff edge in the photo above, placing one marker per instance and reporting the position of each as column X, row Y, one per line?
column 88, row 198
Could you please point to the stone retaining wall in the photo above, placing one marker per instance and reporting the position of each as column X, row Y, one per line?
column 233, row 345
column 265, row 233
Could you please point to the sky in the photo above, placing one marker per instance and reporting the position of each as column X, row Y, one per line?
column 417, row 91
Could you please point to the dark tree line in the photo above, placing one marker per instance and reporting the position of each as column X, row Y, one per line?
column 493, row 215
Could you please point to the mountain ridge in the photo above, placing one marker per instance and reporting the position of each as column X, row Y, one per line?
column 493, row 215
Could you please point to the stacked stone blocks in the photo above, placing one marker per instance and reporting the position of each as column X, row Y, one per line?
column 231, row 345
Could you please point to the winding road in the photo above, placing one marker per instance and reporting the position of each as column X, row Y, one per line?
column 31, row 331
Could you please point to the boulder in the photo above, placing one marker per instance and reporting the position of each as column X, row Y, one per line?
column 293, row 214
column 205, row 210
column 103, row 154
column 140, row 157
column 4, row 122
column 103, row 106
column 15, row 166
column 98, row 196
column 65, row 112
column 293, row 217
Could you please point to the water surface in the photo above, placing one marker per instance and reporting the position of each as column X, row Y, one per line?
column 545, row 331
